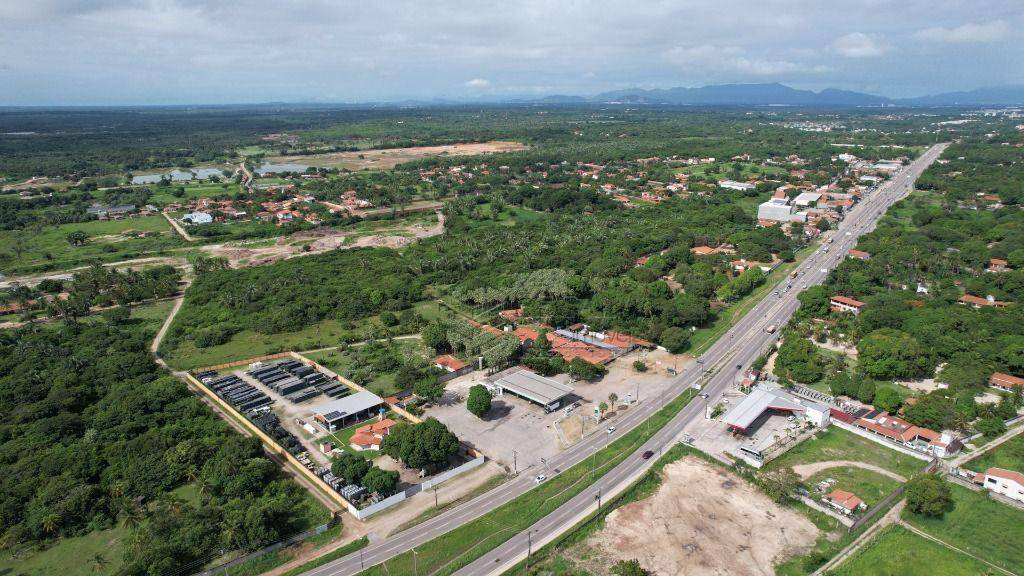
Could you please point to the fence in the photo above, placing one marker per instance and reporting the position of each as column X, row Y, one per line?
column 222, row 568
column 889, row 500
column 220, row 367
column 413, row 490
column 453, row 375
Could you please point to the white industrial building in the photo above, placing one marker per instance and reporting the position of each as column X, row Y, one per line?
column 805, row 199
column 734, row 185
column 778, row 209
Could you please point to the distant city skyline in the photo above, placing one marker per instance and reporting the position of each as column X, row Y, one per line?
column 109, row 52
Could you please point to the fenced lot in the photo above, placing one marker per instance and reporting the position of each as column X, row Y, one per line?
column 896, row 550
column 980, row 526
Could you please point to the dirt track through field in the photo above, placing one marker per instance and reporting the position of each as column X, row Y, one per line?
column 389, row 158
column 805, row 471
column 703, row 521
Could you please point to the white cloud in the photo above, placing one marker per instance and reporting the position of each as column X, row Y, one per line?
column 730, row 59
column 966, row 33
column 859, row 45
column 478, row 83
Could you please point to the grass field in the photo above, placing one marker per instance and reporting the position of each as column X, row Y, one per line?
column 383, row 383
column 838, row 444
column 747, row 169
column 446, row 554
column 980, row 526
column 49, row 249
column 1008, row 455
column 71, row 556
column 896, row 550
column 868, row 485
column 162, row 196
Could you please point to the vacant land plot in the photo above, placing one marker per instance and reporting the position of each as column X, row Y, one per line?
column 980, row 526
column 1008, row 455
column 868, row 485
column 49, row 249
column 380, row 382
column 387, row 159
column 703, row 520
column 98, row 552
column 838, row 444
column 896, row 550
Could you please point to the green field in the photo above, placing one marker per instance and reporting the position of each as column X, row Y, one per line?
column 980, row 526
column 868, row 485
column 71, row 556
column 23, row 251
column 838, row 444
column 1009, row 455
column 747, row 170
column 383, row 383
column 898, row 551
column 161, row 196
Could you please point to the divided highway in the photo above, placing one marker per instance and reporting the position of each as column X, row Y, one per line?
column 744, row 342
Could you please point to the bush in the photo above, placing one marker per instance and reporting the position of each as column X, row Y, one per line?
column 639, row 366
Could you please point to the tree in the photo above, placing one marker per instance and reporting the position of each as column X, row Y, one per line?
column 991, row 426
column 639, row 366
column 629, row 568
column 929, row 495
column 675, row 339
column 435, row 335
column 98, row 562
column 425, row 445
column 479, row 400
column 779, row 484
column 351, row 467
column 613, row 398
column 933, row 410
column 889, row 353
column 887, row 399
column 77, row 238
column 602, row 408
column 382, row 482
column 582, row 370
column 799, row 359
column 430, row 387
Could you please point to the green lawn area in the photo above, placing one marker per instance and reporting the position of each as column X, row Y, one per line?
column 868, row 485
column 981, row 526
column 838, row 444
column 898, row 551
column 153, row 313
column 747, row 169
column 49, row 248
column 70, row 556
column 383, row 383
column 1008, row 455
column 449, row 552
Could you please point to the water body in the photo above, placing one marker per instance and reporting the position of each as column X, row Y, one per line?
column 271, row 168
column 178, row 176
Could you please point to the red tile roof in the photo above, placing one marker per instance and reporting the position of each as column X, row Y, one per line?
column 450, row 363
column 845, row 499
column 847, row 301
column 1005, row 380
column 859, row 254
column 1006, row 474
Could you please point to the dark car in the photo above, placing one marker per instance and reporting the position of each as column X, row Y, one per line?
column 647, row 455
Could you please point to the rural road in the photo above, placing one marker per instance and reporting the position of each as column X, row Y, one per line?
column 744, row 342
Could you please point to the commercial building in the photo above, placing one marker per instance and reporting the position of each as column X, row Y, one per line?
column 899, row 431
column 348, row 410
column 777, row 209
column 734, row 185
column 765, row 400
column 529, row 385
column 805, row 199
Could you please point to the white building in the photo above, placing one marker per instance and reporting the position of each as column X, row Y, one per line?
column 805, row 199
column 1005, row 482
column 734, row 185
column 775, row 209
column 197, row 218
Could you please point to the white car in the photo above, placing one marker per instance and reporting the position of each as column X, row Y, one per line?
column 540, row 479
column 611, row 429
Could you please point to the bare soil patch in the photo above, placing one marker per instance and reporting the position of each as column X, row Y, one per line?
column 702, row 521
column 387, row 159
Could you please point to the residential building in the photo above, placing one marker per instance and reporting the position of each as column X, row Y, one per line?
column 449, row 363
column 997, row 265
column 843, row 501
column 1005, row 382
column 371, row 436
column 843, row 304
column 977, row 302
column 859, row 254
column 1006, row 482
column 899, row 431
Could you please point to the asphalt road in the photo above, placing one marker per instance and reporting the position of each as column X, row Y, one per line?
column 717, row 368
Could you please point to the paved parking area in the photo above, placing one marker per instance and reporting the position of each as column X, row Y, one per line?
column 515, row 432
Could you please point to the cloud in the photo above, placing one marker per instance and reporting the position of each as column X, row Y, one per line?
column 859, row 45
column 731, row 59
column 966, row 34
column 478, row 83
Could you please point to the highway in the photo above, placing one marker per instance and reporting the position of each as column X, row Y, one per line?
column 717, row 368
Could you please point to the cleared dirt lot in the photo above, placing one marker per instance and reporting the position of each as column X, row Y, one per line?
column 701, row 521
column 387, row 159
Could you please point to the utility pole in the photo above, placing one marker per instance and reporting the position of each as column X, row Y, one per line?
column 435, row 496
column 598, row 498
column 529, row 548
column 515, row 463
column 361, row 565
column 415, row 570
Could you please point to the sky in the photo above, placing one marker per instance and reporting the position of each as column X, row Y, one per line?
column 110, row 52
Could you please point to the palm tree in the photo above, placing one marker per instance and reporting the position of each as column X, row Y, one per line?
column 99, row 562
column 50, row 522
column 132, row 516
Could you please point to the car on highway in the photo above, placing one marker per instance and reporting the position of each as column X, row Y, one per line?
column 540, row 478
column 611, row 429
column 647, row 455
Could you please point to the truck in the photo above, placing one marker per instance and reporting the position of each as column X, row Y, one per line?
column 794, row 274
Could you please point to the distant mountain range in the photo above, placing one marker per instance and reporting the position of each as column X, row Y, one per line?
column 782, row 95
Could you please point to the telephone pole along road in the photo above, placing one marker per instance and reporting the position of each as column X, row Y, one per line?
column 743, row 343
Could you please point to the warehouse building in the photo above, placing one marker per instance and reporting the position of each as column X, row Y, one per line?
column 349, row 410
column 531, row 386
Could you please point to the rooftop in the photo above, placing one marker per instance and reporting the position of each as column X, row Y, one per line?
column 354, row 404
column 529, row 384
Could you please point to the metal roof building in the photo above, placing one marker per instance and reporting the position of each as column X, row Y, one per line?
column 765, row 398
column 532, row 386
column 348, row 410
